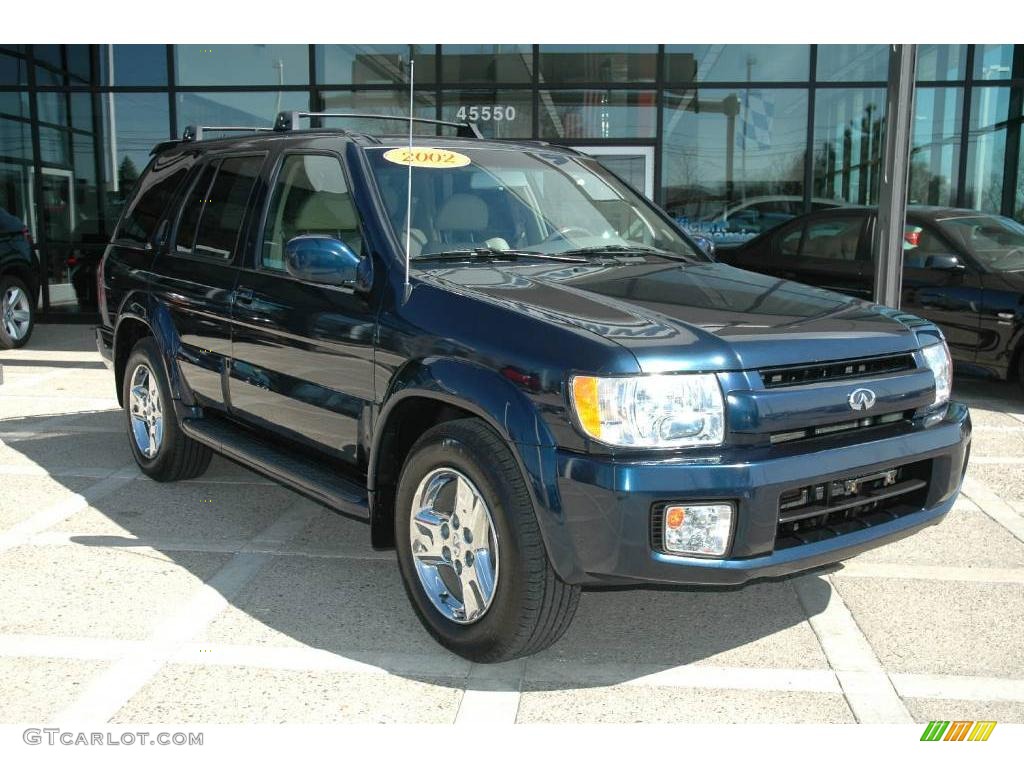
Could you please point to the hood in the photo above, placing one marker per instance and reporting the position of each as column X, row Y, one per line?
column 676, row 316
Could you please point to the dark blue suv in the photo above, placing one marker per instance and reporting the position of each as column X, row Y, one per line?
column 519, row 372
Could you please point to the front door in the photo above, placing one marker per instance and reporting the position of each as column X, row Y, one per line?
column 952, row 299
column 633, row 164
column 302, row 353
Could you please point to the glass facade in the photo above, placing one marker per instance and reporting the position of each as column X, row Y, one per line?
column 731, row 139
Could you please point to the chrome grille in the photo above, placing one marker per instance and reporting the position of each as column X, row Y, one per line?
column 837, row 370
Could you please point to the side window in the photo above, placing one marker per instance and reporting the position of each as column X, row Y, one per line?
column 192, row 210
column 224, row 211
column 789, row 243
column 833, row 239
column 158, row 186
column 311, row 197
column 921, row 242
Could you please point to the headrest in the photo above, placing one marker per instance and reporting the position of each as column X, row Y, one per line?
column 326, row 212
column 462, row 212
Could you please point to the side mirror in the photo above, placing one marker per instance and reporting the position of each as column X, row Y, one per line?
column 706, row 244
column 945, row 262
column 321, row 259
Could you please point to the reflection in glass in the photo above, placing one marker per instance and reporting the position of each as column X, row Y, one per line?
column 237, row 108
column 380, row 103
column 733, row 160
column 736, row 63
column 54, row 146
column 13, row 70
column 15, row 139
column 848, row 144
column 373, row 64
column 1018, row 208
column 853, row 62
column 52, row 107
column 995, row 62
column 498, row 114
column 14, row 104
column 241, row 64
column 486, row 63
column 597, row 63
column 132, row 124
column 941, row 62
column 133, row 64
column 597, row 114
column 935, row 153
column 986, row 148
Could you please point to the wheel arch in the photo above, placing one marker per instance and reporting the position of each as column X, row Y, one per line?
column 137, row 319
column 425, row 393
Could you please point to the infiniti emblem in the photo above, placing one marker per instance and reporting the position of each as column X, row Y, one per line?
column 861, row 399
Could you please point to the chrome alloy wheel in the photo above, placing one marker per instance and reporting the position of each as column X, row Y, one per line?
column 454, row 545
column 147, row 418
column 16, row 313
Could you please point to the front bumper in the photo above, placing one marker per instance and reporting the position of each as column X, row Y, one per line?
column 606, row 504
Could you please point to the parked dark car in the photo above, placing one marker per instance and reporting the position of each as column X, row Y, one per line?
column 963, row 270
column 19, row 282
column 556, row 388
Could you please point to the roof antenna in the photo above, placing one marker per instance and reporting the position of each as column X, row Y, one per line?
column 408, row 190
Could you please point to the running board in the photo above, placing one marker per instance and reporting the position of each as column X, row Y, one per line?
column 308, row 477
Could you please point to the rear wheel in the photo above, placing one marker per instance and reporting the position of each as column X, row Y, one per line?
column 469, row 547
column 17, row 313
column 160, row 448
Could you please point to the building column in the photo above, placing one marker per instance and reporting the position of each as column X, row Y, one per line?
column 892, row 198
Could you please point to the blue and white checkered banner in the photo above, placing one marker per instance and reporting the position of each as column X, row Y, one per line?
column 756, row 121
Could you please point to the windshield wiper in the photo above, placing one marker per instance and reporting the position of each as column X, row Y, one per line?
column 627, row 249
column 486, row 254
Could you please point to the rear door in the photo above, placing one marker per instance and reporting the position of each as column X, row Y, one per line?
column 303, row 352
column 832, row 253
column 199, row 267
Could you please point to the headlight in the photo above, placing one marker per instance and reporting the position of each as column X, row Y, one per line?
column 661, row 411
column 937, row 358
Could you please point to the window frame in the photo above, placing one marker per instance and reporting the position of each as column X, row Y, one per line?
column 215, row 160
column 275, row 175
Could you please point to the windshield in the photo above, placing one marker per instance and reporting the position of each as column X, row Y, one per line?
column 514, row 200
column 995, row 241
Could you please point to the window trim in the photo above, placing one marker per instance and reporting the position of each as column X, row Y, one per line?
column 215, row 160
column 282, row 158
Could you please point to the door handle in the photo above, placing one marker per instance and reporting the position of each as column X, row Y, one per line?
column 243, row 295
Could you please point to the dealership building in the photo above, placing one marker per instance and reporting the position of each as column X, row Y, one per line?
column 704, row 130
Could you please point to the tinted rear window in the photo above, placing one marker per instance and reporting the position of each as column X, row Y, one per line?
column 156, row 190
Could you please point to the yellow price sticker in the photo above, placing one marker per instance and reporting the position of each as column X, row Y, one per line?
column 426, row 157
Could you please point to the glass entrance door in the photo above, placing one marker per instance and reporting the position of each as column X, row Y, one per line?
column 634, row 164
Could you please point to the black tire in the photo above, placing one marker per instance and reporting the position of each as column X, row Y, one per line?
column 532, row 607
column 1020, row 369
column 7, row 341
column 178, row 457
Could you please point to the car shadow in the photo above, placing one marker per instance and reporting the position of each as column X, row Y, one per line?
column 325, row 588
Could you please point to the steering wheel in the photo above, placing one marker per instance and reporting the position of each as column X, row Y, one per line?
column 565, row 232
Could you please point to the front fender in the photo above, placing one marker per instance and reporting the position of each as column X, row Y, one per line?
column 512, row 414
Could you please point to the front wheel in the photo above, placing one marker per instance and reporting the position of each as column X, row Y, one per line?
column 470, row 551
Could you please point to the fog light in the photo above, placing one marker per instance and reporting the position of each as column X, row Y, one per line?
column 698, row 529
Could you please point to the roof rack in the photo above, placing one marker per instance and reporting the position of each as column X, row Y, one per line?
column 195, row 132
column 289, row 121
